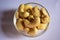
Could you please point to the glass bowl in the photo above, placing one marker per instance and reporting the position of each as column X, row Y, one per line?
column 40, row 31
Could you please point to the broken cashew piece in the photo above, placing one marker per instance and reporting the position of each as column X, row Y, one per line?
column 35, row 22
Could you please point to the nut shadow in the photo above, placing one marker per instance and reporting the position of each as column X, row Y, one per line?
column 7, row 24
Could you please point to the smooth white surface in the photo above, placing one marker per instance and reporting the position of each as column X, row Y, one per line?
column 53, row 7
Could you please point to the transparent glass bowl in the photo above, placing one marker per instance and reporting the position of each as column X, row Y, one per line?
column 40, row 31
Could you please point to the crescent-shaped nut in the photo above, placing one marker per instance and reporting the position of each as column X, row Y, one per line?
column 42, row 26
column 24, row 14
column 27, row 6
column 32, row 24
column 44, row 11
column 36, row 11
column 21, row 8
column 44, row 16
column 19, row 24
column 33, row 31
column 45, row 19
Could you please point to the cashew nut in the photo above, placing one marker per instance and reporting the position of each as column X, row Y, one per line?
column 42, row 26
column 21, row 8
column 27, row 6
column 19, row 24
column 44, row 11
column 24, row 14
column 45, row 17
column 35, row 11
column 33, row 31
column 32, row 24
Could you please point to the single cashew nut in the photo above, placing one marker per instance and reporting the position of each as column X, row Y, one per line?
column 30, row 17
column 42, row 26
column 35, row 11
column 32, row 24
column 45, row 17
column 21, row 8
column 24, row 14
column 19, row 24
column 44, row 11
column 33, row 31
column 27, row 6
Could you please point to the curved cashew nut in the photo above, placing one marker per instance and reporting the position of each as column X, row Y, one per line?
column 44, row 11
column 45, row 20
column 27, row 6
column 24, row 14
column 35, row 11
column 35, row 22
column 33, row 31
column 42, row 26
column 45, row 17
column 19, row 24
column 21, row 8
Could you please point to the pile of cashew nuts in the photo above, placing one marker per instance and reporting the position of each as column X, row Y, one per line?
column 31, row 19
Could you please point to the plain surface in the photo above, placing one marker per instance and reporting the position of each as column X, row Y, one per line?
column 7, row 30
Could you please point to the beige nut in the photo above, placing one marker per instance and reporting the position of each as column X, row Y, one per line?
column 44, row 11
column 19, row 24
column 33, row 31
column 32, row 24
column 27, row 7
column 36, row 11
column 24, row 14
column 42, row 26
column 45, row 19
column 21, row 8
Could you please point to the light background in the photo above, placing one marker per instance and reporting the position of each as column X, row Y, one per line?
column 53, row 32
